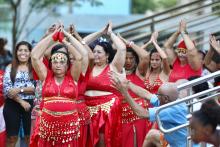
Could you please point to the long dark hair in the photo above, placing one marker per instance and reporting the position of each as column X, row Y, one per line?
column 15, row 62
column 130, row 50
column 209, row 114
column 106, row 45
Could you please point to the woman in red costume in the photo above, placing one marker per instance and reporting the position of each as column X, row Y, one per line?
column 134, row 129
column 159, row 69
column 102, row 99
column 59, row 121
column 157, row 72
column 185, row 61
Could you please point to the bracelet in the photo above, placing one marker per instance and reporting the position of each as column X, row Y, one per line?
column 83, row 42
column 184, row 32
column 130, row 43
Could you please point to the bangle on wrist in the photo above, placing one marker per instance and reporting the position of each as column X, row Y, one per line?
column 184, row 32
column 130, row 43
column 83, row 42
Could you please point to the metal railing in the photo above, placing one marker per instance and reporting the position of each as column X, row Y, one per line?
column 141, row 29
column 188, row 98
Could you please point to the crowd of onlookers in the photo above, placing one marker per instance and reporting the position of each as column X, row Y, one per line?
column 105, row 92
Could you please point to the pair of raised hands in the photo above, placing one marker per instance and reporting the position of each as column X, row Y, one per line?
column 58, row 32
column 214, row 43
column 107, row 29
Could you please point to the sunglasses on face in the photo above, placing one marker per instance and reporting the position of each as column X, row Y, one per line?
column 181, row 50
column 162, row 95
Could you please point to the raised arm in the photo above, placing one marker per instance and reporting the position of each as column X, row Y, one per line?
column 147, row 44
column 92, row 37
column 81, row 48
column 192, row 52
column 119, row 58
column 122, row 86
column 141, row 92
column 143, row 56
column 37, row 54
column 73, row 48
column 209, row 63
column 89, row 53
column 215, row 44
column 166, row 66
column 168, row 46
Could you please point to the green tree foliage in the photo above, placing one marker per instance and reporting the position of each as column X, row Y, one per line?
column 141, row 6
column 166, row 3
column 15, row 6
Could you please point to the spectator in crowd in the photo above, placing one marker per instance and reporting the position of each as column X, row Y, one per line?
column 184, row 60
column 170, row 117
column 5, row 55
column 204, row 123
column 18, row 86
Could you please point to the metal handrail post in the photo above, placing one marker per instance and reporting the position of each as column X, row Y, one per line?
column 198, row 80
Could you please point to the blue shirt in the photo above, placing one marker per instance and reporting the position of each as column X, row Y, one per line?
column 171, row 117
column 22, row 80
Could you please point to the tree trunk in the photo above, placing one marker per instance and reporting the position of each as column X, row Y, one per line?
column 14, row 28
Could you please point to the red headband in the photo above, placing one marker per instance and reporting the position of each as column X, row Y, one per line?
column 182, row 45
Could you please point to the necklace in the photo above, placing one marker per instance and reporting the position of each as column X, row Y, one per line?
column 58, row 90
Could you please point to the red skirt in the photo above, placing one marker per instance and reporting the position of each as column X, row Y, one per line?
column 134, row 129
column 84, row 122
column 59, row 123
column 105, row 114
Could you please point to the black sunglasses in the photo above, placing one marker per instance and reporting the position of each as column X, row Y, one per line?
column 162, row 95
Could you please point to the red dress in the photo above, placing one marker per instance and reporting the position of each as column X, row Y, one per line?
column 182, row 72
column 134, row 129
column 59, row 122
column 105, row 110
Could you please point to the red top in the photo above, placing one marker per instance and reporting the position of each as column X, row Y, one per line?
column 1, row 88
column 137, row 81
column 153, row 88
column 101, row 82
column 82, row 83
column 67, row 89
column 182, row 72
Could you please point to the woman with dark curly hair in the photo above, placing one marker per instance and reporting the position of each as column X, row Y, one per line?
column 102, row 99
